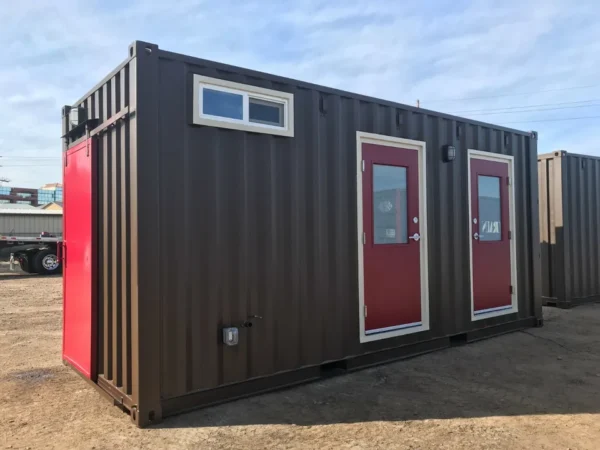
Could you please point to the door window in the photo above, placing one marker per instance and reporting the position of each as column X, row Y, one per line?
column 490, row 208
column 389, row 205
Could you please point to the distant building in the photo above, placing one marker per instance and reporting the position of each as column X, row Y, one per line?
column 14, row 206
column 52, row 186
column 48, row 193
column 54, row 206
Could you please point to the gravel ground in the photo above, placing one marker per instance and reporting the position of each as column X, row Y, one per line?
column 526, row 390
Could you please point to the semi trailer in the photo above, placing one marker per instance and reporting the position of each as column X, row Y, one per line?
column 41, row 255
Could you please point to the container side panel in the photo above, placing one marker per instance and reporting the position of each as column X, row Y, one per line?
column 582, row 204
column 176, row 267
column 260, row 232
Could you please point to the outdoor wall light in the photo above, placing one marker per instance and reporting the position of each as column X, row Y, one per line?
column 449, row 153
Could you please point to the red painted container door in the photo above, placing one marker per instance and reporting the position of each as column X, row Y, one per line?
column 392, row 277
column 79, row 320
column 490, row 236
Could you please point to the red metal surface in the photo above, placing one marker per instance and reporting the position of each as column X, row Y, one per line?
column 391, row 271
column 491, row 259
column 79, row 319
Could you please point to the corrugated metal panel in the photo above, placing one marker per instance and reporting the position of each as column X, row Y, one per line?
column 252, row 224
column 570, row 207
column 27, row 223
column 582, row 237
column 202, row 227
column 114, row 235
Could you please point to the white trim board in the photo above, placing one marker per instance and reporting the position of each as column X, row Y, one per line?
column 514, row 308
column 404, row 144
column 246, row 91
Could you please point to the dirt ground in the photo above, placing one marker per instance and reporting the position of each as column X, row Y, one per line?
column 526, row 390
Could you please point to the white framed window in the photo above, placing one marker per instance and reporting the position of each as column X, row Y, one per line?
column 225, row 104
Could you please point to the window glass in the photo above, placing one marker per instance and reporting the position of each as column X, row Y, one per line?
column 389, row 205
column 222, row 104
column 490, row 218
column 264, row 111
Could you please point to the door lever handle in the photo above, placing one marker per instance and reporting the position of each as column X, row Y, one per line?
column 476, row 236
column 415, row 237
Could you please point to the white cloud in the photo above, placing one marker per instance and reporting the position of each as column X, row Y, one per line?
column 53, row 52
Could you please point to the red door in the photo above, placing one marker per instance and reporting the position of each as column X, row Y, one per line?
column 490, row 236
column 392, row 241
column 79, row 319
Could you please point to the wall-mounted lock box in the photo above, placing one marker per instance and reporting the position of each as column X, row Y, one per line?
column 230, row 336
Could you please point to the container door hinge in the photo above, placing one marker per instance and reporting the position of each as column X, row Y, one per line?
column 364, row 238
column 509, row 234
column 66, row 159
column 365, row 306
column 363, row 165
column 512, row 290
column 508, row 181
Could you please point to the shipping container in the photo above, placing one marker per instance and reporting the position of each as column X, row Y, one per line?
column 250, row 232
column 569, row 186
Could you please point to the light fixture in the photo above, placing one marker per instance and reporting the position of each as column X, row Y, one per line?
column 449, row 153
column 76, row 116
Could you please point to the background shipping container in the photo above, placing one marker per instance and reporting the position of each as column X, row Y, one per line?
column 569, row 186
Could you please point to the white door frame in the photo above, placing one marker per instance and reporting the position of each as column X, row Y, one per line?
column 404, row 144
column 514, row 307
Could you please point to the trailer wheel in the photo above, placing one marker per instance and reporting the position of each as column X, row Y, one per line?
column 46, row 262
column 25, row 263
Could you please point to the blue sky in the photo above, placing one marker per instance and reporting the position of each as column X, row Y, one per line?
column 436, row 51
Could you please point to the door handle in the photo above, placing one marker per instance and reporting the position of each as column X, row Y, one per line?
column 476, row 236
column 415, row 237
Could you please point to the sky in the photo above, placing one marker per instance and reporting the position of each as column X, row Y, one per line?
column 473, row 58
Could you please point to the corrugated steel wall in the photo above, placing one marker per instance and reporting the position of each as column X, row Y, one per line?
column 252, row 224
column 30, row 225
column 570, row 236
column 117, row 240
column 202, row 227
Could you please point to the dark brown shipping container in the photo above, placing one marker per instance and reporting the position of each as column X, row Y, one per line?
column 203, row 227
column 569, row 186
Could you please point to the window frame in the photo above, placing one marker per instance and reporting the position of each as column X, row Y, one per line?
column 406, row 205
column 500, row 198
column 246, row 91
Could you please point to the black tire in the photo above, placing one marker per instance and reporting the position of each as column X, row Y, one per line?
column 24, row 263
column 45, row 262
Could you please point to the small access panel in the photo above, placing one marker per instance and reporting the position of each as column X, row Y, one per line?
column 79, row 303
column 392, row 239
column 490, row 237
